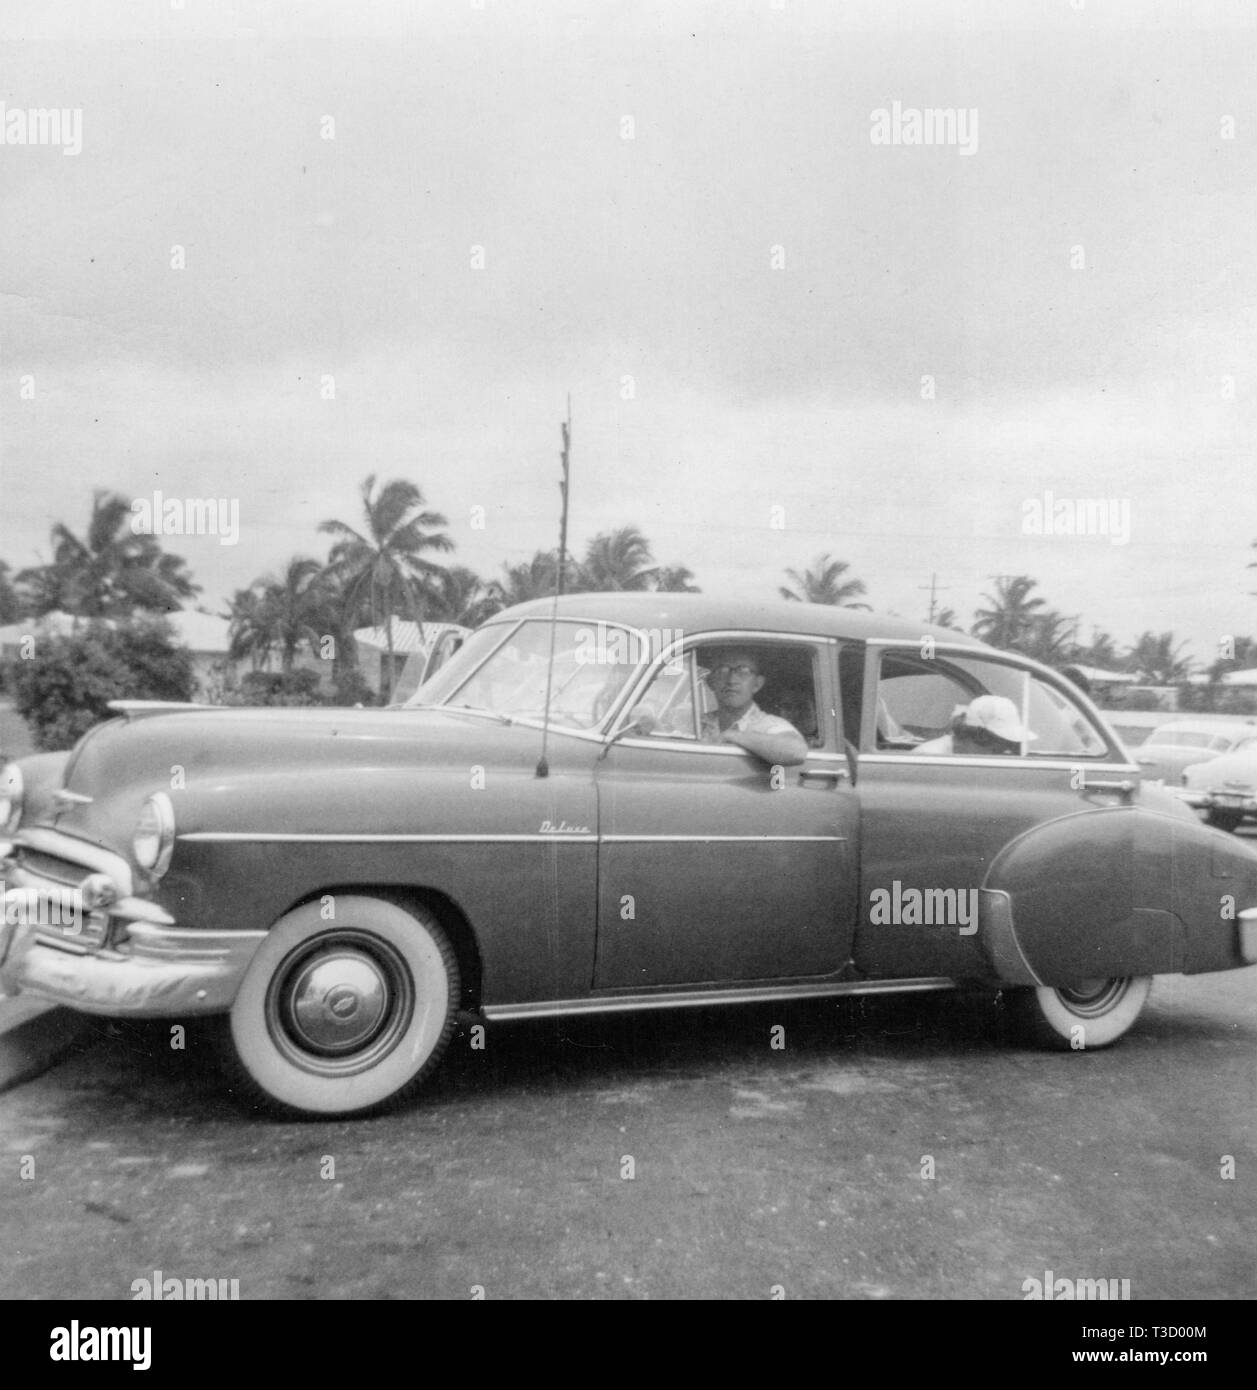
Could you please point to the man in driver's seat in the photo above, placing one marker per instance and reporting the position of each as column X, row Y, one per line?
column 734, row 678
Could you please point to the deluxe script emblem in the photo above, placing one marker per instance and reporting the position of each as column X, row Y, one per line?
column 548, row 827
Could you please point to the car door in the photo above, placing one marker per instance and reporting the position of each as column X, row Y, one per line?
column 714, row 868
column 934, row 820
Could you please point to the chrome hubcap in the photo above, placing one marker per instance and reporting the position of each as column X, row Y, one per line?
column 1091, row 997
column 340, row 1002
column 337, row 1001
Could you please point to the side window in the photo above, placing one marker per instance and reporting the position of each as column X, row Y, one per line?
column 965, row 706
column 669, row 700
column 918, row 700
column 684, row 698
column 1061, row 729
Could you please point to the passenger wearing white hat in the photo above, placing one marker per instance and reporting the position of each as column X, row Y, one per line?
column 988, row 724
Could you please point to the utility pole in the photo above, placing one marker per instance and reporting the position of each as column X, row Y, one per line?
column 933, row 587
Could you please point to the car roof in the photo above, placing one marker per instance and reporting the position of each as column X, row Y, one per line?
column 701, row 613
column 1221, row 726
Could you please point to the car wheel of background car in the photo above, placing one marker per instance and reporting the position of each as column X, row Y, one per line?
column 334, row 1018
column 1102, row 1009
column 1224, row 820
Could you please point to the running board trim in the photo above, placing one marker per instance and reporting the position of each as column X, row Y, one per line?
column 700, row 998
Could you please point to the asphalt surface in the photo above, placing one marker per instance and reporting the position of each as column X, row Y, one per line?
column 798, row 1171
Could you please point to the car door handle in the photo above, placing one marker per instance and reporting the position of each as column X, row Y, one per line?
column 823, row 774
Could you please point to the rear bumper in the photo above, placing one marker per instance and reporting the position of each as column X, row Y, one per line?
column 1243, row 804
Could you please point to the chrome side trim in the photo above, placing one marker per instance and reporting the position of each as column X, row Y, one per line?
column 557, row 837
column 721, row 839
column 1022, row 764
column 699, row 998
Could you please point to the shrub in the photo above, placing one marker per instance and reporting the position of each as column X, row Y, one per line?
column 300, row 687
column 67, row 684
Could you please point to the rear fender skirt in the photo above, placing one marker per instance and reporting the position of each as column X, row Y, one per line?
column 1074, row 894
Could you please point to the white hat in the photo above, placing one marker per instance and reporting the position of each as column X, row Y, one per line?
column 998, row 714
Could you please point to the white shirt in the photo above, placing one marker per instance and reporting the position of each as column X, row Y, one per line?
column 752, row 720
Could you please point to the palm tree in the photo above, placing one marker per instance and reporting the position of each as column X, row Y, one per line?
column 618, row 560
column 823, row 583
column 1244, row 659
column 530, row 580
column 1009, row 620
column 282, row 612
column 251, row 631
column 459, row 595
column 385, row 569
column 1101, row 652
column 1157, row 659
column 111, row 571
column 1048, row 638
column 675, row 579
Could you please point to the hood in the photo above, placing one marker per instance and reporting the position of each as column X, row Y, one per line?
column 220, row 765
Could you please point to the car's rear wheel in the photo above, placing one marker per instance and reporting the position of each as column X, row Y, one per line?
column 338, row 1017
column 1086, row 1014
column 1224, row 820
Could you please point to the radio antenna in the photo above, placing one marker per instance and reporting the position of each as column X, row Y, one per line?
column 543, row 763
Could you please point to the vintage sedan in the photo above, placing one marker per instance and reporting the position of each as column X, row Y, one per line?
column 1176, row 745
column 613, row 802
column 1224, row 788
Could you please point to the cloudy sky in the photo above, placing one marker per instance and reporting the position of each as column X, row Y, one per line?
column 686, row 224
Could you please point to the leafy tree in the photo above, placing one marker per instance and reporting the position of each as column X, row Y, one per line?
column 384, row 568
column 109, row 572
column 10, row 600
column 66, row 686
column 1009, row 620
column 823, row 582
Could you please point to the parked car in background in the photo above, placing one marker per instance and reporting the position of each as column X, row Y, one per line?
column 1181, row 742
column 552, row 825
column 1224, row 788
column 1134, row 727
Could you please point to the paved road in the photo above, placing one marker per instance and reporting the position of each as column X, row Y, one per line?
column 753, row 1167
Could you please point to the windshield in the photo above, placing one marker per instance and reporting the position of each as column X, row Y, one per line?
column 505, row 669
column 1184, row 738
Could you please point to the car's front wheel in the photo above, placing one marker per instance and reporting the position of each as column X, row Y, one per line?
column 1087, row 1014
column 335, row 1017
column 1224, row 820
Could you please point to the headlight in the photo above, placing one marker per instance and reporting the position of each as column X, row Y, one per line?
column 154, row 839
column 11, row 793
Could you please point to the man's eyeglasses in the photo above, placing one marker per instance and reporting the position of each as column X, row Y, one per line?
column 723, row 672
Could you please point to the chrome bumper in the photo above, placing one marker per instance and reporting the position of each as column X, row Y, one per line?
column 1248, row 935
column 1218, row 801
column 123, row 957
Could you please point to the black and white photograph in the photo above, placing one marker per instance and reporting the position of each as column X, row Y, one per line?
column 628, row 659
